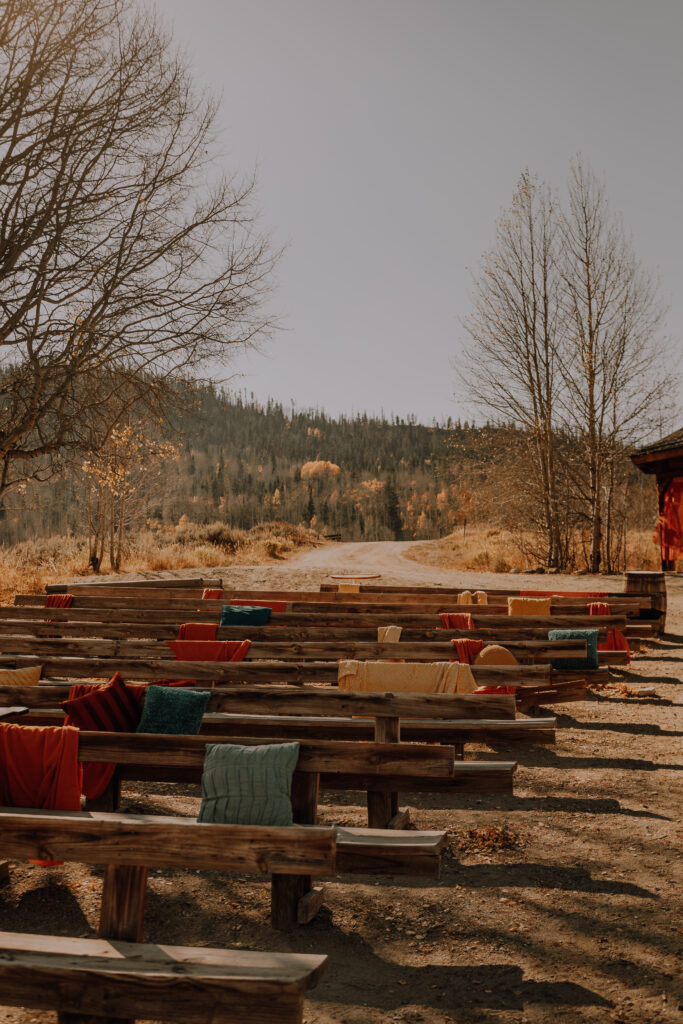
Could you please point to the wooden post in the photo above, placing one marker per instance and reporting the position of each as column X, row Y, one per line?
column 109, row 800
column 121, row 917
column 305, row 786
column 383, row 807
column 286, row 892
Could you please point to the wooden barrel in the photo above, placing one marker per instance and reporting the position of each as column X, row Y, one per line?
column 652, row 585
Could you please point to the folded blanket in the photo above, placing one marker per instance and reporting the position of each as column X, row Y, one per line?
column 481, row 597
column 389, row 634
column 20, row 676
column 615, row 641
column 212, row 594
column 529, row 605
column 209, row 650
column 249, row 616
column 39, row 768
column 275, row 606
column 198, row 631
column 577, row 664
column 405, row 677
column 349, row 588
column 456, row 620
column 467, row 650
column 465, row 597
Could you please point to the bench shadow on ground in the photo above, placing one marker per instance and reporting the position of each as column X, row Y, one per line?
column 445, row 988
column 27, row 914
column 565, row 721
column 388, row 985
column 546, row 757
column 510, row 802
column 529, row 875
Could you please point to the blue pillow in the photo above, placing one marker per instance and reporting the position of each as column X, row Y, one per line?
column 591, row 638
column 248, row 785
column 244, row 615
column 173, row 710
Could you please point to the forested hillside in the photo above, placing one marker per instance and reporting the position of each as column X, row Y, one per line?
column 243, row 463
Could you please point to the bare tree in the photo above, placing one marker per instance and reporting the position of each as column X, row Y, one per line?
column 612, row 357
column 127, row 263
column 512, row 357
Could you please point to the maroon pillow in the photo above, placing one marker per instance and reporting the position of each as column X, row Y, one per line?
column 108, row 708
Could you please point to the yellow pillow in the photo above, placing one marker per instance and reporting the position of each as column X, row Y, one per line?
column 20, row 676
column 494, row 654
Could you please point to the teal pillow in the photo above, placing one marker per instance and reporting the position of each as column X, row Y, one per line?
column 244, row 615
column 591, row 638
column 248, row 785
column 173, row 710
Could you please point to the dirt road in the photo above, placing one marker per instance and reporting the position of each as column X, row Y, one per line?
column 558, row 904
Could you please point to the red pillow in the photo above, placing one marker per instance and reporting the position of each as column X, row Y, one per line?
column 108, row 708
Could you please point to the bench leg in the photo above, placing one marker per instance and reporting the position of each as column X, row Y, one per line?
column 4, row 872
column 123, row 902
column 286, row 893
column 305, row 786
column 110, row 799
column 382, row 807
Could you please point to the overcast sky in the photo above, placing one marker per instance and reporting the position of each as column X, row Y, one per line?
column 389, row 135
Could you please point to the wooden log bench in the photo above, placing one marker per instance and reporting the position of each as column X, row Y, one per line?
column 382, row 769
column 140, row 669
column 529, row 652
column 323, row 610
column 142, row 619
column 327, row 713
column 114, row 982
column 128, row 845
column 626, row 603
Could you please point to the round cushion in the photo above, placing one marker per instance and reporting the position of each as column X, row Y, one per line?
column 494, row 654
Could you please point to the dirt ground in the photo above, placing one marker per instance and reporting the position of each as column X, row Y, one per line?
column 560, row 903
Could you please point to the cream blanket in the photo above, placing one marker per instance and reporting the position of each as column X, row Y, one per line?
column 349, row 588
column 481, row 597
column 389, row 634
column 465, row 597
column 406, row 677
column 529, row 605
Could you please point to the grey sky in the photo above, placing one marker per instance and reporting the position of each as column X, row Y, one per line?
column 389, row 134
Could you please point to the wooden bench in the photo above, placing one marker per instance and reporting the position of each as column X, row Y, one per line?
column 529, row 652
column 113, row 982
column 269, row 671
column 130, row 844
column 326, row 713
column 630, row 604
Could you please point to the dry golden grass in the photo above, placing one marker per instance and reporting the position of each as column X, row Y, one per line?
column 487, row 549
column 29, row 566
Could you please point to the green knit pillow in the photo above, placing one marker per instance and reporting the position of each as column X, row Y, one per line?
column 248, row 785
column 173, row 711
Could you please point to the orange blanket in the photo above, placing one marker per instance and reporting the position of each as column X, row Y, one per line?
column 616, row 641
column 209, row 650
column 197, row 631
column 456, row 620
column 40, row 769
column 467, row 650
